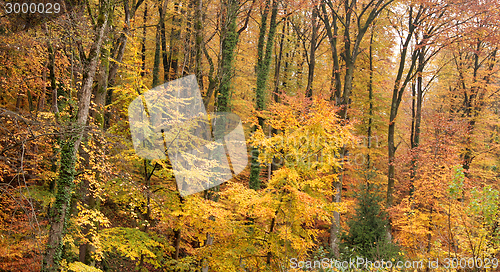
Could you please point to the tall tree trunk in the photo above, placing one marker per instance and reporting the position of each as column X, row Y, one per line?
column 370, row 102
column 229, row 40
column 279, row 59
column 100, row 92
column 263, row 64
column 85, row 194
column 65, row 185
column 397, row 95
column 474, row 102
column 156, row 62
column 350, row 54
column 189, row 51
column 212, row 81
column 335, row 81
column 42, row 99
column 416, row 120
column 147, row 177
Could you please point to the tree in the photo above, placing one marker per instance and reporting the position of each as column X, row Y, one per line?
column 262, row 68
column 303, row 145
column 71, row 142
column 368, row 227
column 352, row 42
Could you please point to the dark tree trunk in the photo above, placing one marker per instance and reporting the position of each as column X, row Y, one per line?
column 156, row 62
column 335, row 81
column 143, row 42
column 418, row 93
column 279, row 59
column 397, row 95
column 198, row 41
column 370, row 101
column 52, row 78
column 312, row 53
column 171, row 64
column 160, row 46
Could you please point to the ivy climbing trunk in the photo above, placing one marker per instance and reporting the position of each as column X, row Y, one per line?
column 65, row 186
column 262, row 69
column 229, row 40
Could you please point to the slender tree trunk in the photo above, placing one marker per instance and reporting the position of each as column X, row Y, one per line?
column 474, row 103
column 416, row 120
column 52, row 78
column 163, row 36
column 100, row 92
column 198, row 41
column 212, row 81
column 85, row 194
column 271, row 230
column 254, row 181
column 370, row 101
column 147, row 177
column 117, row 54
column 160, row 46
column 208, row 242
column 279, row 59
column 156, row 62
column 143, row 42
column 171, row 70
column 312, row 54
column 335, row 81
column 189, row 51
column 42, row 100
column 274, row 165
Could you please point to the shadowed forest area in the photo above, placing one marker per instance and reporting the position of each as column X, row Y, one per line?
column 372, row 132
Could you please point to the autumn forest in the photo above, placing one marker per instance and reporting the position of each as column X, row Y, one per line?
column 342, row 135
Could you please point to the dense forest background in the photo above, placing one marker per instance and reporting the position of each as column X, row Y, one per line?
column 372, row 126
